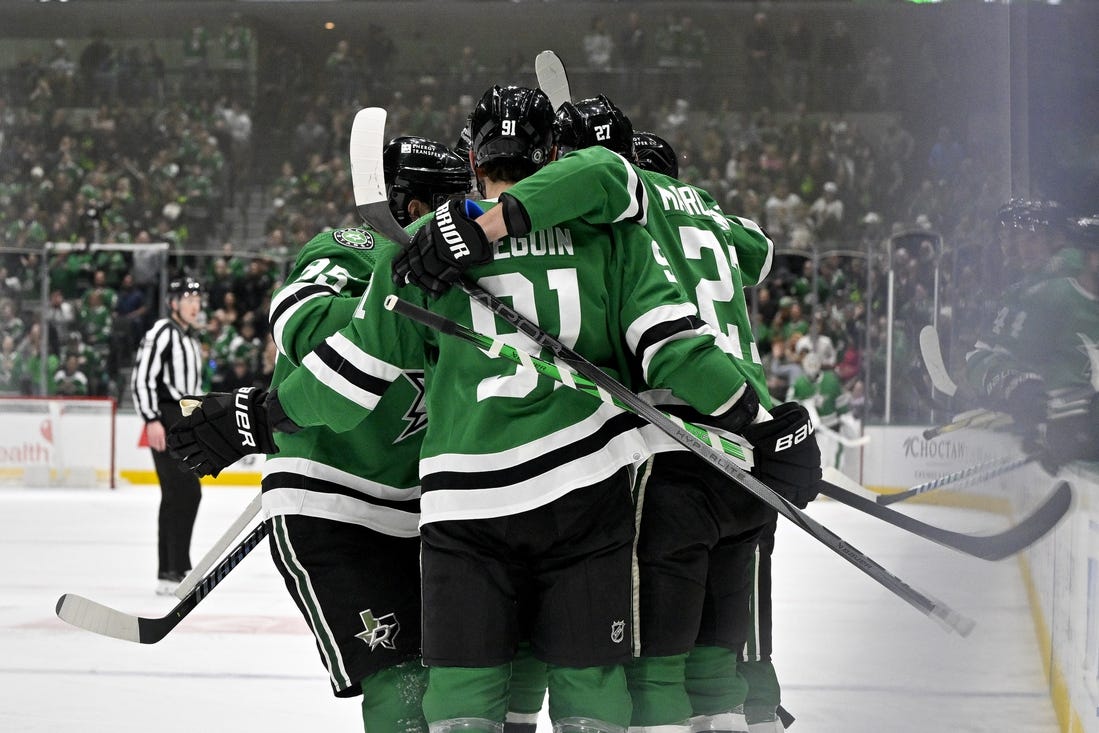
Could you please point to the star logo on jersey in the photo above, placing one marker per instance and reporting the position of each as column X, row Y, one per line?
column 380, row 631
column 354, row 238
column 416, row 417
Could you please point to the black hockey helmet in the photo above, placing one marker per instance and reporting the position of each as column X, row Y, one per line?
column 1010, row 214
column 512, row 123
column 418, row 168
column 180, row 286
column 594, row 121
column 654, row 153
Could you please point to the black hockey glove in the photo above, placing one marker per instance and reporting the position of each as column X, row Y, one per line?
column 1020, row 394
column 1072, row 435
column 443, row 249
column 787, row 457
column 226, row 426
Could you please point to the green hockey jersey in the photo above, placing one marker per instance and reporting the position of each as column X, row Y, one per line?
column 501, row 438
column 713, row 256
column 366, row 475
column 1052, row 330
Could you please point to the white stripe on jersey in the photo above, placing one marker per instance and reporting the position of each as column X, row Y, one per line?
column 653, row 318
column 337, row 670
column 278, row 326
column 521, row 454
column 623, row 450
column 639, row 207
column 325, row 472
column 361, row 360
column 336, row 382
column 340, row 508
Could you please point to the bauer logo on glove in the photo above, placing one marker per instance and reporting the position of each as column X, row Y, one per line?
column 220, row 428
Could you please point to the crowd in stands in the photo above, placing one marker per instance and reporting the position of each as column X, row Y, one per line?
column 82, row 159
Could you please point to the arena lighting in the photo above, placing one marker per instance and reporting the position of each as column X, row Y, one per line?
column 329, row 25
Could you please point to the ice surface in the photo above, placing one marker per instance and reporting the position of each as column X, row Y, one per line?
column 852, row 658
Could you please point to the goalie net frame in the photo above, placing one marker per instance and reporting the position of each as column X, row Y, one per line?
column 54, row 472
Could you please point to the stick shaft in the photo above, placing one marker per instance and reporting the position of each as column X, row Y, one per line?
column 678, row 432
column 211, row 556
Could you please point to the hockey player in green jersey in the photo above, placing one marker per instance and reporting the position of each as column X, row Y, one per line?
column 345, row 531
column 525, row 487
column 1043, row 367
column 686, row 576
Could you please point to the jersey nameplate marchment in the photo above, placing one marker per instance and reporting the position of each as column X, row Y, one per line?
column 354, row 238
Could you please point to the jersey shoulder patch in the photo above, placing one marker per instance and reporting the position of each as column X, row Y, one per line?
column 354, row 238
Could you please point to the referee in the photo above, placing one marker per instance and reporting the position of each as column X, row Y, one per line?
column 169, row 366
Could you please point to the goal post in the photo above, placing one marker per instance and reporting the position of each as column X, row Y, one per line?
column 58, row 441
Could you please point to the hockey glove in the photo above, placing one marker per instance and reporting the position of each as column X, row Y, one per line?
column 1071, row 437
column 787, row 457
column 1020, row 394
column 226, row 426
column 443, row 249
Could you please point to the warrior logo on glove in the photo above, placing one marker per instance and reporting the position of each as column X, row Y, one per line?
column 458, row 247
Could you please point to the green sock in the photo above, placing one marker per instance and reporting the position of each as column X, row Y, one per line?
column 764, row 693
column 712, row 681
column 393, row 699
column 467, row 692
column 589, row 692
column 658, row 691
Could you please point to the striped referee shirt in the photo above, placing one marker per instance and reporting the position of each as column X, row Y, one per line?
column 169, row 366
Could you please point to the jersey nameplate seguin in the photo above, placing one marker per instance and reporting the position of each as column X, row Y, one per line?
column 354, row 238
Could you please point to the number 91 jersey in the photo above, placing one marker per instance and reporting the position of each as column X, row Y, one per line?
column 501, row 438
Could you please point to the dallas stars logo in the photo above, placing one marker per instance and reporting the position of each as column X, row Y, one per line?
column 354, row 238
column 416, row 417
column 379, row 631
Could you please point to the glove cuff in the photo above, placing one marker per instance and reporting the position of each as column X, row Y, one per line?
column 741, row 414
column 516, row 218
column 276, row 415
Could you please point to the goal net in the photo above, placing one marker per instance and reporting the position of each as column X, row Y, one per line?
column 57, row 441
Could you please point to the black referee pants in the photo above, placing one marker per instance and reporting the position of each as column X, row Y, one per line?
column 180, row 493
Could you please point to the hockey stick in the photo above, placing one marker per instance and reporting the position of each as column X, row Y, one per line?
column 987, row 547
column 966, row 476
column 972, row 419
column 97, row 618
column 219, row 547
column 993, row 547
column 368, row 131
column 933, row 362
column 552, row 78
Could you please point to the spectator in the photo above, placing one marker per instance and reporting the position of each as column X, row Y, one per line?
column 196, row 62
column 598, row 45
column 236, row 51
column 826, row 213
column 69, row 381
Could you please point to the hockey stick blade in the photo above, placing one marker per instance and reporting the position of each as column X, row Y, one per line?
column 552, row 78
column 973, row 474
column 986, row 547
column 933, row 361
column 979, row 418
column 198, row 571
column 106, row 621
column 368, row 173
column 682, row 432
column 382, row 220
